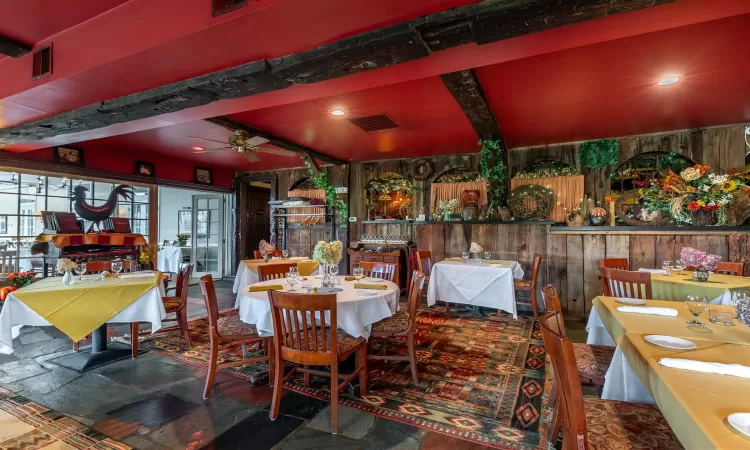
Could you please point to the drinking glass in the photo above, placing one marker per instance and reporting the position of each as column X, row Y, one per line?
column 696, row 304
column 667, row 265
column 285, row 253
column 679, row 265
column 293, row 282
column 336, row 280
column 293, row 271
column 358, row 273
column 487, row 256
column 333, row 270
column 81, row 270
column 721, row 317
column 465, row 256
column 117, row 267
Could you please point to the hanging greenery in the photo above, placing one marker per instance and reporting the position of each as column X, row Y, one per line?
column 459, row 176
column 492, row 168
column 547, row 169
column 391, row 185
column 599, row 154
column 321, row 181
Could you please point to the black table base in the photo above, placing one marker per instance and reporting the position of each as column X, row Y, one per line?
column 100, row 354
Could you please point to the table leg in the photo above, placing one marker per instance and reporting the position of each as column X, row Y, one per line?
column 100, row 354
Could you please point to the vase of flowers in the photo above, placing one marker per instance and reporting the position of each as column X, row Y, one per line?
column 65, row 266
column 266, row 249
column 147, row 256
column 446, row 207
column 182, row 239
column 327, row 254
column 21, row 279
column 475, row 250
column 695, row 259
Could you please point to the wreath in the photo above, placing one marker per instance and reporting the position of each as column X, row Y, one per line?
column 422, row 169
column 531, row 201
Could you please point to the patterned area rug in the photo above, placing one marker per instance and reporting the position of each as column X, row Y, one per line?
column 28, row 425
column 480, row 380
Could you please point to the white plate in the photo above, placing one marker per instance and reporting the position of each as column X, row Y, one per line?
column 741, row 422
column 372, row 280
column 670, row 342
column 365, row 292
column 630, row 301
column 299, row 258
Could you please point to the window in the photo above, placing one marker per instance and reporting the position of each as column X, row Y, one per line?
column 27, row 222
column 3, row 224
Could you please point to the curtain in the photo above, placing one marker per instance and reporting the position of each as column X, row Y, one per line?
column 568, row 191
column 309, row 193
column 448, row 191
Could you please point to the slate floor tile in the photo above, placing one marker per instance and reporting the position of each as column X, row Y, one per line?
column 154, row 411
column 88, row 395
column 388, row 434
column 36, row 336
column 257, row 432
column 352, row 423
column 116, row 429
column 304, row 438
column 45, row 383
column 19, row 370
column 301, row 406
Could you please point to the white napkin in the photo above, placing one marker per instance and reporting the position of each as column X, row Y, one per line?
column 671, row 312
column 735, row 370
column 656, row 271
column 136, row 275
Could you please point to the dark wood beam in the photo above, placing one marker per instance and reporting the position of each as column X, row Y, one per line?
column 232, row 125
column 482, row 22
column 467, row 91
column 13, row 48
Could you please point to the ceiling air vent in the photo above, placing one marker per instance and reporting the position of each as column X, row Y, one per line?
column 41, row 63
column 377, row 122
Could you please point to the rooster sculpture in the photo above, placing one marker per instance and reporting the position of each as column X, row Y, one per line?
column 97, row 214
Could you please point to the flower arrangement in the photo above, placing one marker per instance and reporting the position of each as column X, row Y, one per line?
column 328, row 252
column 696, row 258
column 445, row 207
column 576, row 214
column 21, row 279
column 475, row 248
column 265, row 248
column 65, row 264
column 148, row 254
column 182, row 239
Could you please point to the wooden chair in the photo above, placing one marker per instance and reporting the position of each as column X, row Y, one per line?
column 7, row 265
column 176, row 304
column 302, row 337
column 615, row 263
column 384, row 271
column 624, row 283
column 401, row 324
column 592, row 423
column 424, row 263
column 230, row 331
column 731, row 268
column 274, row 271
column 258, row 255
column 530, row 286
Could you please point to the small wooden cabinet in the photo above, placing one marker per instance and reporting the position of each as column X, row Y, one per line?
column 397, row 257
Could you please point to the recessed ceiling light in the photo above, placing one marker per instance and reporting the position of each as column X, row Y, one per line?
column 666, row 81
column 198, row 148
column 338, row 112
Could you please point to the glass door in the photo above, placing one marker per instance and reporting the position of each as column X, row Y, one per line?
column 208, row 236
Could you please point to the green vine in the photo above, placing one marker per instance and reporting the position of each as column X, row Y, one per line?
column 492, row 168
column 394, row 185
column 321, row 181
column 599, row 154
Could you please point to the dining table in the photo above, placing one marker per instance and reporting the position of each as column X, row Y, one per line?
column 356, row 309
column 695, row 404
column 169, row 258
column 717, row 289
column 477, row 283
column 85, row 308
column 247, row 271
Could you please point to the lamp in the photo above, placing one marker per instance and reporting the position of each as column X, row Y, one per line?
column 385, row 198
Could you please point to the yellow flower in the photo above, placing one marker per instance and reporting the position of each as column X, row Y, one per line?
column 701, row 203
column 729, row 186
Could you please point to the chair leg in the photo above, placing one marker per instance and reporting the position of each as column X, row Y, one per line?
column 534, row 307
column 76, row 345
column 183, row 322
column 555, row 424
column 335, row 397
column 413, row 359
column 278, row 386
column 362, row 362
column 134, row 330
column 212, row 363
column 306, row 376
column 268, row 348
column 447, row 307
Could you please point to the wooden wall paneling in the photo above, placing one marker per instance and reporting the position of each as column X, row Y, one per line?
column 576, row 303
column 356, row 201
column 507, row 243
column 628, row 148
column 642, row 252
column 679, row 142
column 711, row 147
column 724, row 147
column 617, row 246
column 665, row 250
column 557, row 266
column 432, row 238
column 682, row 241
column 457, row 239
column 486, row 236
column 716, row 245
column 593, row 251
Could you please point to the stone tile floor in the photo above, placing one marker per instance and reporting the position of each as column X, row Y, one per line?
column 155, row 403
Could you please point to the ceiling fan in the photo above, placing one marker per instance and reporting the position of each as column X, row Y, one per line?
column 245, row 145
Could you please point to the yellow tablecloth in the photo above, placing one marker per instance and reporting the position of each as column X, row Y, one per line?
column 304, row 268
column 80, row 308
column 674, row 287
column 694, row 404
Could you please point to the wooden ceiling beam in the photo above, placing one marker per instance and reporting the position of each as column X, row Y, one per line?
column 482, row 22
column 13, row 48
column 231, row 124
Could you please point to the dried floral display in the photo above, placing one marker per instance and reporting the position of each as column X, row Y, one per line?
column 548, row 169
column 328, row 252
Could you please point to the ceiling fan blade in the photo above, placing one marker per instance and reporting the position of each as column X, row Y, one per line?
column 211, row 150
column 275, row 151
column 255, row 141
column 252, row 157
column 210, row 140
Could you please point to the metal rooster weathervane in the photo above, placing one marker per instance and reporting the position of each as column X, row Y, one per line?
column 97, row 214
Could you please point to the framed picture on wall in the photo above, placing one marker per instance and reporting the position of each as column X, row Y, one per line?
column 184, row 221
column 72, row 156
column 145, row 169
column 203, row 176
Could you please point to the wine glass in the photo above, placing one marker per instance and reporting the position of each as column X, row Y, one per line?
column 667, row 265
column 293, row 282
column 81, row 269
column 696, row 304
column 117, row 267
column 293, row 271
column 285, row 253
column 465, row 256
column 358, row 273
column 487, row 256
column 680, row 266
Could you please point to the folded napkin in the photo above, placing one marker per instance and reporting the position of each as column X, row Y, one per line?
column 494, row 261
column 137, row 275
column 266, row 287
column 379, row 287
column 735, row 370
column 350, row 278
column 656, row 271
column 454, row 259
column 671, row 312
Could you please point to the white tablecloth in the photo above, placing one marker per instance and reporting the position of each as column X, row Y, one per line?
column 246, row 277
column 169, row 258
column 15, row 314
column 488, row 285
column 355, row 314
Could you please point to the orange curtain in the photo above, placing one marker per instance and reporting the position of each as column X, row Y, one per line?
column 311, row 194
column 448, row 191
column 568, row 191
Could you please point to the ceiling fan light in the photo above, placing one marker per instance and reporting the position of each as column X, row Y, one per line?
column 338, row 112
column 666, row 81
column 198, row 148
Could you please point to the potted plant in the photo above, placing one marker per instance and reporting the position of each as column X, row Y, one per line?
column 182, row 239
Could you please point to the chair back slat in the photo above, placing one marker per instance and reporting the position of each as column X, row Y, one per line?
column 568, row 382
column 615, row 263
column 624, row 283
column 209, row 296
column 183, row 280
column 415, row 295
column 384, row 271
column 552, row 304
column 535, row 270
column 290, row 321
column 274, row 271
column 731, row 268
column 424, row 262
